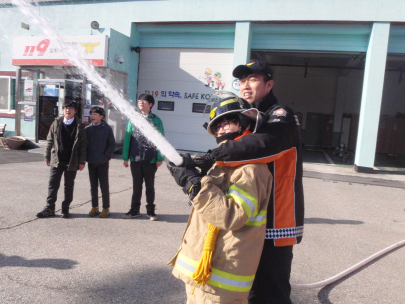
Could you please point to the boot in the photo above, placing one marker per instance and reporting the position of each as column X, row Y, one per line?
column 94, row 211
column 105, row 213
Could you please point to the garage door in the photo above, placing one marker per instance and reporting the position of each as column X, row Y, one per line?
column 181, row 80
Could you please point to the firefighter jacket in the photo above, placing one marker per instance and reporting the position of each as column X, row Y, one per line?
column 278, row 143
column 234, row 200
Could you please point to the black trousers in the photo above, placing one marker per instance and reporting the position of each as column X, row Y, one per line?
column 98, row 173
column 143, row 172
column 272, row 280
column 54, row 184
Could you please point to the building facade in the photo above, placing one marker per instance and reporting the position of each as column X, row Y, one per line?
column 338, row 64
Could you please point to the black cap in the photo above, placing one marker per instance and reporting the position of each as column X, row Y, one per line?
column 69, row 103
column 98, row 110
column 253, row 66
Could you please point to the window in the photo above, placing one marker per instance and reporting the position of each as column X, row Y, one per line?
column 7, row 93
column 201, row 108
column 166, row 105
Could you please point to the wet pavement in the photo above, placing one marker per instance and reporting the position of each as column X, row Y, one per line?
column 349, row 216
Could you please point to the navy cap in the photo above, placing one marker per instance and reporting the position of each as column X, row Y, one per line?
column 253, row 66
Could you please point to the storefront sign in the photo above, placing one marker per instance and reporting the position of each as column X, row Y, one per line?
column 28, row 113
column 37, row 50
column 177, row 94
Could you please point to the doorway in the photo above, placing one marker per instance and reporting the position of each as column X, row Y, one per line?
column 52, row 93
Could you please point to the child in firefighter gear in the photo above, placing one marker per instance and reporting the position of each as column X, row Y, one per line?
column 221, row 246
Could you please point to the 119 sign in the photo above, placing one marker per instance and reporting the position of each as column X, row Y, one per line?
column 41, row 48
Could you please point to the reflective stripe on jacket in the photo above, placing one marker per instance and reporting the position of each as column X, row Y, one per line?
column 234, row 200
column 220, row 279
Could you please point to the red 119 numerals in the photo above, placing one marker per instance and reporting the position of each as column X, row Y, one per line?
column 41, row 48
column 156, row 93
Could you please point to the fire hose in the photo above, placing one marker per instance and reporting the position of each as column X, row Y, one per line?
column 349, row 270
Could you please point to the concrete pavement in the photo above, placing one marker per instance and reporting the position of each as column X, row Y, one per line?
column 92, row 260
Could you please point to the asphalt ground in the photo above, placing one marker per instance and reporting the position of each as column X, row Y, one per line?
column 349, row 216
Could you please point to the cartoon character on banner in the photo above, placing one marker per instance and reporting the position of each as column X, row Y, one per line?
column 219, row 84
column 207, row 78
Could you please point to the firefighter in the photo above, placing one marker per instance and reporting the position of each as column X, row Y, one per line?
column 278, row 143
column 222, row 244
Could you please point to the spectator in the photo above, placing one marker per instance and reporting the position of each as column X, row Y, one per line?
column 100, row 147
column 65, row 153
column 145, row 159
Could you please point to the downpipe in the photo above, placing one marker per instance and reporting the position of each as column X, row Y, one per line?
column 349, row 270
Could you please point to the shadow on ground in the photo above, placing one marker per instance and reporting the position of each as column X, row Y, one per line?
column 150, row 286
column 169, row 218
column 17, row 261
column 18, row 156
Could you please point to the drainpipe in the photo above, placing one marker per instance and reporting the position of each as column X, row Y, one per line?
column 17, row 102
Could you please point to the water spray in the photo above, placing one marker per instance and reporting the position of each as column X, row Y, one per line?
column 144, row 127
column 120, row 103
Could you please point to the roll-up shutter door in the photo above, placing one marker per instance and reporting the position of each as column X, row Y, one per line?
column 181, row 80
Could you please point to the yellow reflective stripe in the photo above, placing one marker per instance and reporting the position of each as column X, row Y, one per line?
column 230, row 282
column 228, row 101
column 247, row 201
column 212, row 114
column 219, row 278
column 258, row 220
column 184, row 268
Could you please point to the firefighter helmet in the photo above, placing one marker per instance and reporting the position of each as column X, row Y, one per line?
column 224, row 103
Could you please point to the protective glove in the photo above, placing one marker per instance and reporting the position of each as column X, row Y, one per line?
column 187, row 177
column 204, row 162
column 187, row 160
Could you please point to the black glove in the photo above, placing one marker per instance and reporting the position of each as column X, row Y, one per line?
column 204, row 162
column 187, row 160
column 186, row 177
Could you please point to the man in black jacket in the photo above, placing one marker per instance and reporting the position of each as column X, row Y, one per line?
column 278, row 143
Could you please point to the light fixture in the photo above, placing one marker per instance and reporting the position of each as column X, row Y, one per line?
column 94, row 25
column 119, row 59
column 135, row 49
column 25, row 26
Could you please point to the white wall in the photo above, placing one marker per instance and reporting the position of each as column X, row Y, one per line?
column 315, row 93
column 354, row 88
column 393, row 99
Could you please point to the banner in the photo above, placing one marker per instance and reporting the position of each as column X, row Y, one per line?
column 28, row 90
column 38, row 50
column 28, row 113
